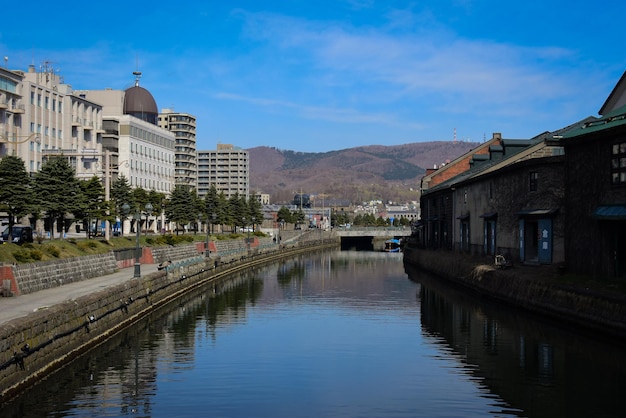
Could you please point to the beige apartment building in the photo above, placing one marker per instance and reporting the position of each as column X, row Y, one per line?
column 12, row 110
column 227, row 167
column 41, row 116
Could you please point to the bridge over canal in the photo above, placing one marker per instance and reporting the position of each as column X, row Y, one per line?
column 369, row 238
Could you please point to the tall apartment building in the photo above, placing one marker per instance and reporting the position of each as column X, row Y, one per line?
column 43, row 117
column 227, row 167
column 183, row 126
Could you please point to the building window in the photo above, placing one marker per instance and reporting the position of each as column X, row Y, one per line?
column 618, row 163
column 533, row 176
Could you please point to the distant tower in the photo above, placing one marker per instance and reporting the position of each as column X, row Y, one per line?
column 455, row 135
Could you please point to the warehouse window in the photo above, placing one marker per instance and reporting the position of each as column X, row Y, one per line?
column 618, row 163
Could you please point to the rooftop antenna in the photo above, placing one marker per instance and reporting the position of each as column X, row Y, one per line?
column 6, row 61
column 137, row 73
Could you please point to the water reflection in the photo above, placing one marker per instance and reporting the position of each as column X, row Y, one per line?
column 539, row 369
column 336, row 334
column 119, row 377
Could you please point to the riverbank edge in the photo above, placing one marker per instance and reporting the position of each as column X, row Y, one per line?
column 35, row 346
column 536, row 289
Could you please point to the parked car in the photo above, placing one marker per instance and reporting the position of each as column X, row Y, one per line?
column 20, row 234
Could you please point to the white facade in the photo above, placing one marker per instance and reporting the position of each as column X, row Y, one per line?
column 146, row 154
column 141, row 151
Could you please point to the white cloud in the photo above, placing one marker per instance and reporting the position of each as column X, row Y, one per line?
column 418, row 64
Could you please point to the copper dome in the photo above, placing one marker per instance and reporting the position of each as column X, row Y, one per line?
column 139, row 102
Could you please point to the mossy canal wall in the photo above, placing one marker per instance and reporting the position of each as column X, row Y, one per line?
column 536, row 289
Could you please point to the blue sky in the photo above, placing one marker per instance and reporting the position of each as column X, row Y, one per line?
column 328, row 75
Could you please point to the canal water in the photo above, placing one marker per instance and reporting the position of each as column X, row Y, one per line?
column 337, row 334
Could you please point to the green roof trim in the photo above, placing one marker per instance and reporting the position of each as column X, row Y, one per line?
column 609, row 121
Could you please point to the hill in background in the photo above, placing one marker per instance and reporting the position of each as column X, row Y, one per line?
column 389, row 173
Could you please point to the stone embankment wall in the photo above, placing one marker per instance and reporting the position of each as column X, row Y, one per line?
column 529, row 288
column 33, row 277
column 32, row 346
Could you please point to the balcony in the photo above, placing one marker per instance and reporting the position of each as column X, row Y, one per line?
column 18, row 108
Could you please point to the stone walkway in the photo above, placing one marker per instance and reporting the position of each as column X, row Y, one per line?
column 19, row 306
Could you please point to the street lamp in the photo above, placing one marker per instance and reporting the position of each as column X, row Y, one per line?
column 16, row 139
column 137, row 217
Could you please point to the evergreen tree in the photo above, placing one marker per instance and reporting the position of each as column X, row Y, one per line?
column 16, row 193
column 223, row 213
column 211, row 204
column 298, row 216
column 245, row 210
column 255, row 209
column 180, row 208
column 58, row 189
column 157, row 200
column 90, row 205
column 237, row 211
column 198, row 207
column 284, row 215
column 120, row 194
column 139, row 199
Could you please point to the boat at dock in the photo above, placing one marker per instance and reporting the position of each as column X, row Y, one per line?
column 393, row 245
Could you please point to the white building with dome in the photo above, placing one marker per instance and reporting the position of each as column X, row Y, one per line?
column 133, row 145
column 136, row 146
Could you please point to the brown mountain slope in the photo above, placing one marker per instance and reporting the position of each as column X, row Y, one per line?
column 389, row 173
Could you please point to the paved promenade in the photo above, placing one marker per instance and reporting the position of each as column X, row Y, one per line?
column 20, row 306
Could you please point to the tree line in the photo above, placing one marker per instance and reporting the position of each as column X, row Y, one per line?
column 54, row 192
